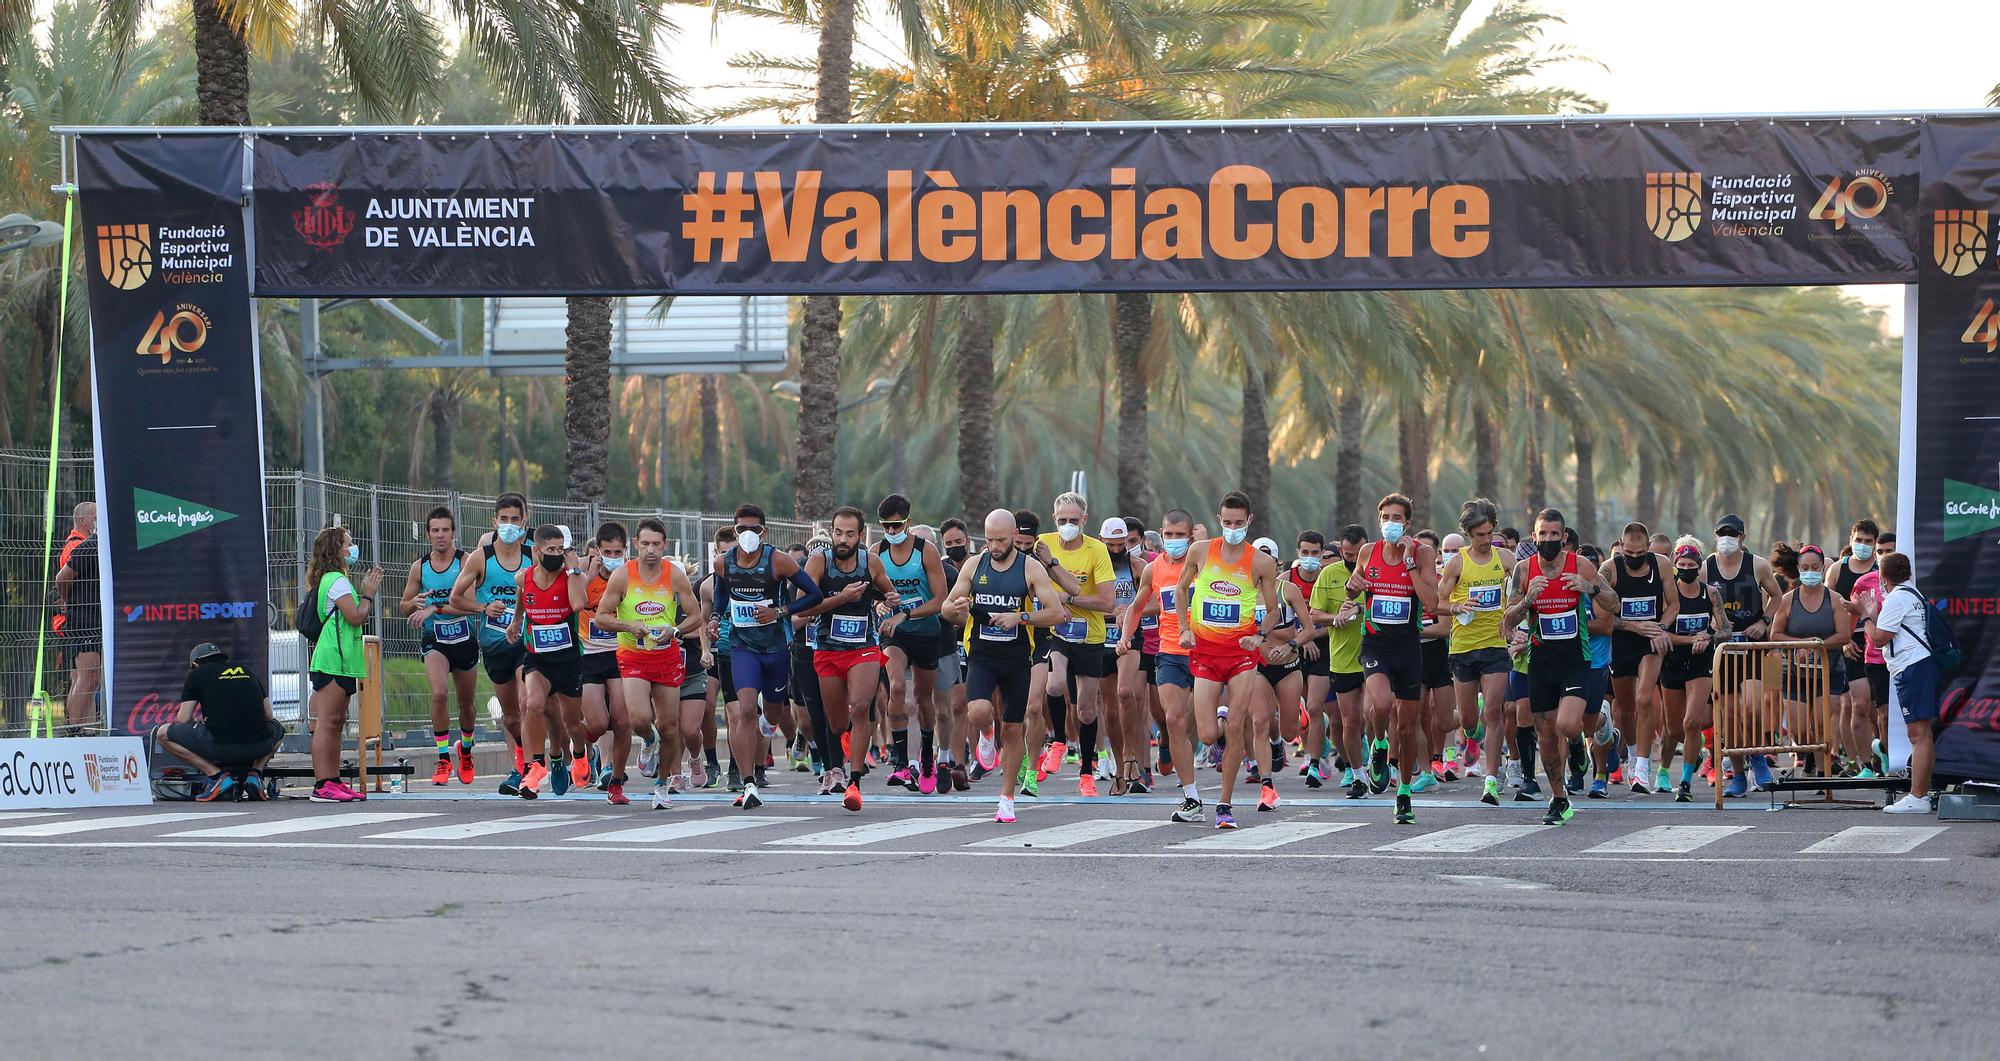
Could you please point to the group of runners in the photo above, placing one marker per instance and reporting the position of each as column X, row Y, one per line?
column 1385, row 658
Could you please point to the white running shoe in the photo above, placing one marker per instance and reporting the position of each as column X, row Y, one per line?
column 989, row 756
column 660, row 800
column 649, row 758
column 1513, row 773
column 1910, row 805
column 1005, row 814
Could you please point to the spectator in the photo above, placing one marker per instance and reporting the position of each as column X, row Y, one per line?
column 76, row 593
column 236, row 733
column 337, row 662
column 1894, row 626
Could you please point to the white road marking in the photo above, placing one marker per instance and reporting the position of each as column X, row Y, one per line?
column 876, row 832
column 126, row 821
column 680, row 830
column 309, row 824
column 1463, row 839
column 1875, row 840
column 1055, row 838
column 492, row 827
column 1665, row 840
column 1265, row 837
column 16, row 815
column 1504, row 883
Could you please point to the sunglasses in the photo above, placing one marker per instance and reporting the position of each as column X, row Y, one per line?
column 758, row 529
column 893, row 524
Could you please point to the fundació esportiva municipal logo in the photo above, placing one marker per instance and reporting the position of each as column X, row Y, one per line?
column 125, row 255
column 1959, row 240
column 1673, row 205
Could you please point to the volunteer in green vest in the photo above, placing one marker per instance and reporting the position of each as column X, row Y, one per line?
column 337, row 661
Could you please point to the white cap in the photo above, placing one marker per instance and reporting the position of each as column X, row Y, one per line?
column 1114, row 527
column 1266, row 545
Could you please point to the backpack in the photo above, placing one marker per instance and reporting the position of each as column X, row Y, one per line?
column 309, row 620
column 1938, row 638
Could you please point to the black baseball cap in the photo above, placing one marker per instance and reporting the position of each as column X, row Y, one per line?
column 1730, row 522
column 1026, row 522
column 206, row 651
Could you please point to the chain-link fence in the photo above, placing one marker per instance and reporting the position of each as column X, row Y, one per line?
column 386, row 522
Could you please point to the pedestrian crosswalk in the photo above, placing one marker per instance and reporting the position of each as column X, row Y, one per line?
column 715, row 828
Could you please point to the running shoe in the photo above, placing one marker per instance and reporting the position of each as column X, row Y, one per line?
column 1378, row 769
column 466, row 770
column 1639, row 787
column 927, row 781
column 1404, row 814
column 1139, row 786
column 748, row 800
column 1910, row 804
column 580, row 772
column 1312, row 774
column 978, row 772
column 333, row 792
column 253, row 787
column 988, row 753
column 1250, row 774
column 839, row 776
column 1223, row 818
column 1531, row 791
column 1662, row 780
column 661, row 800
column 1215, row 757
column 1437, row 767
column 1491, row 795
column 649, row 758
column 1028, row 783
column 1005, row 813
column 1282, row 762
column 874, row 755
column 1474, row 757
column 1866, row 774
column 852, row 800
column 1574, row 783
column 442, row 775
column 826, row 784
column 1424, row 782
column 1737, row 788
column 699, row 777
column 219, row 788
column 1086, row 786
column 959, row 781
column 1190, row 811
column 1760, row 773
column 735, row 779
column 1559, row 811
column 763, row 781
column 1683, row 793
column 906, row 778
column 1450, row 768
column 1052, row 758
column 1513, row 772
column 1267, row 796
column 1598, row 789
column 614, row 793
column 679, row 783
column 1357, row 789
column 511, row 786
column 533, row 780
column 558, row 779
column 1346, row 777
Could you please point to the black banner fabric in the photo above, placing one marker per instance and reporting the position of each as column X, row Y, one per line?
column 180, row 456
column 1955, row 549
column 1082, row 208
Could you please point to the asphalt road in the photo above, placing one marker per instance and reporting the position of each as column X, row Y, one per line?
column 490, row 927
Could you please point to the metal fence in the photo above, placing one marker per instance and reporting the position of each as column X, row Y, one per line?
column 387, row 523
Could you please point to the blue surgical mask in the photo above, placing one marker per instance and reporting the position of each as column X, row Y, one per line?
column 1864, row 550
column 510, row 532
column 1175, row 547
column 897, row 538
column 353, row 553
column 1235, row 535
column 1392, row 531
column 612, row 563
column 1308, row 564
column 1811, row 578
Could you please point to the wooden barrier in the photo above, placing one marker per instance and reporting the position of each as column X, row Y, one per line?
column 368, row 716
column 1789, row 715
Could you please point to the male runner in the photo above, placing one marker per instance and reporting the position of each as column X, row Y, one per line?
column 650, row 606
column 1396, row 579
column 1041, row 722
column 847, row 659
column 910, row 639
column 1000, row 596
column 1123, row 689
column 1159, row 589
column 447, row 644
column 1440, row 710
column 550, row 596
column 1639, row 644
column 748, row 578
column 1336, row 609
column 1218, row 592
column 1473, row 588
column 1856, row 729
column 489, row 588
column 1280, row 682
column 1079, row 640
column 1749, row 592
column 1314, row 661
column 603, row 706
column 1552, row 584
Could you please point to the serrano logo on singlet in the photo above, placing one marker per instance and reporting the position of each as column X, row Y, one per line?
column 1226, row 589
column 649, row 608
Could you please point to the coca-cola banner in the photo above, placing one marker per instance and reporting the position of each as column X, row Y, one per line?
column 1086, row 208
column 174, row 390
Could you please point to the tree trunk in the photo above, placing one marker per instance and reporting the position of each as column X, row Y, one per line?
column 587, row 398
column 1485, row 453
column 1684, row 502
column 1535, row 482
column 444, row 418
column 1646, row 496
column 222, row 67
column 1413, row 451
column 1132, row 328
column 1586, row 483
column 710, row 391
column 1255, row 455
column 819, row 334
column 978, row 478
column 1346, row 461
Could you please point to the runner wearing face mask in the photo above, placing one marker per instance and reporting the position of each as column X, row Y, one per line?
column 1856, row 722
column 1552, row 584
column 1079, row 640
column 1313, row 660
column 1337, row 610
column 1639, row 643
column 910, row 635
column 545, row 625
column 1159, row 588
column 1749, row 589
column 1122, row 690
column 1396, row 581
column 1685, row 674
column 1440, row 729
column 487, row 587
column 604, row 708
column 1219, row 589
column 972, row 753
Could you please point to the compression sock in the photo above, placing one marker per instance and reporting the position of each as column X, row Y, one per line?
column 520, row 759
column 1086, row 738
column 465, row 740
column 899, row 743
column 443, row 738
column 1277, row 753
column 1527, row 744
column 927, row 748
column 1058, row 717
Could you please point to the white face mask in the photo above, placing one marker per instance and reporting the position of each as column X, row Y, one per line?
column 748, row 541
column 1069, row 532
column 1864, row 551
column 612, row 563
column 1727, row 546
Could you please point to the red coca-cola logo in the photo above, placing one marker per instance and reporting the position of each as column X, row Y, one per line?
column 149, row 712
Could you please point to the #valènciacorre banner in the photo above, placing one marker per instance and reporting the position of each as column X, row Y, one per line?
column 179, row 438
column 1582, row 202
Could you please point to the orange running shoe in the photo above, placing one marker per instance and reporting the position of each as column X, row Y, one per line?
column 442, row 775
column 1086, row 786
column 1268, row 798
column 533, row 780
column 852, row 800
column 466, row 772
column 1052, row 758
column 579, row 773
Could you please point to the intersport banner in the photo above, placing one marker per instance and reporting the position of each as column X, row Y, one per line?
column 180, row 455
column 1956, row 548
column 1087, row 208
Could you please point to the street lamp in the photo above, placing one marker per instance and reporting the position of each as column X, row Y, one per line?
column 20, row 232
column 876, row 390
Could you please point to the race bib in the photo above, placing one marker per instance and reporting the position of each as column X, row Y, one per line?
column 1393, row 611
column 1073, row 630
column 1560, row 626
column 744, row 612
column 1221, row 613
column 1483, row 598
column 995, row 633
column 502, row 621
column 551, row 638
column 452, row 631
column 1638, row 609
column 1167, row 599
column 850, row 628
column 1111, row 634
column 1690, row 625
column 1149, row 623
column 1257, row 613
